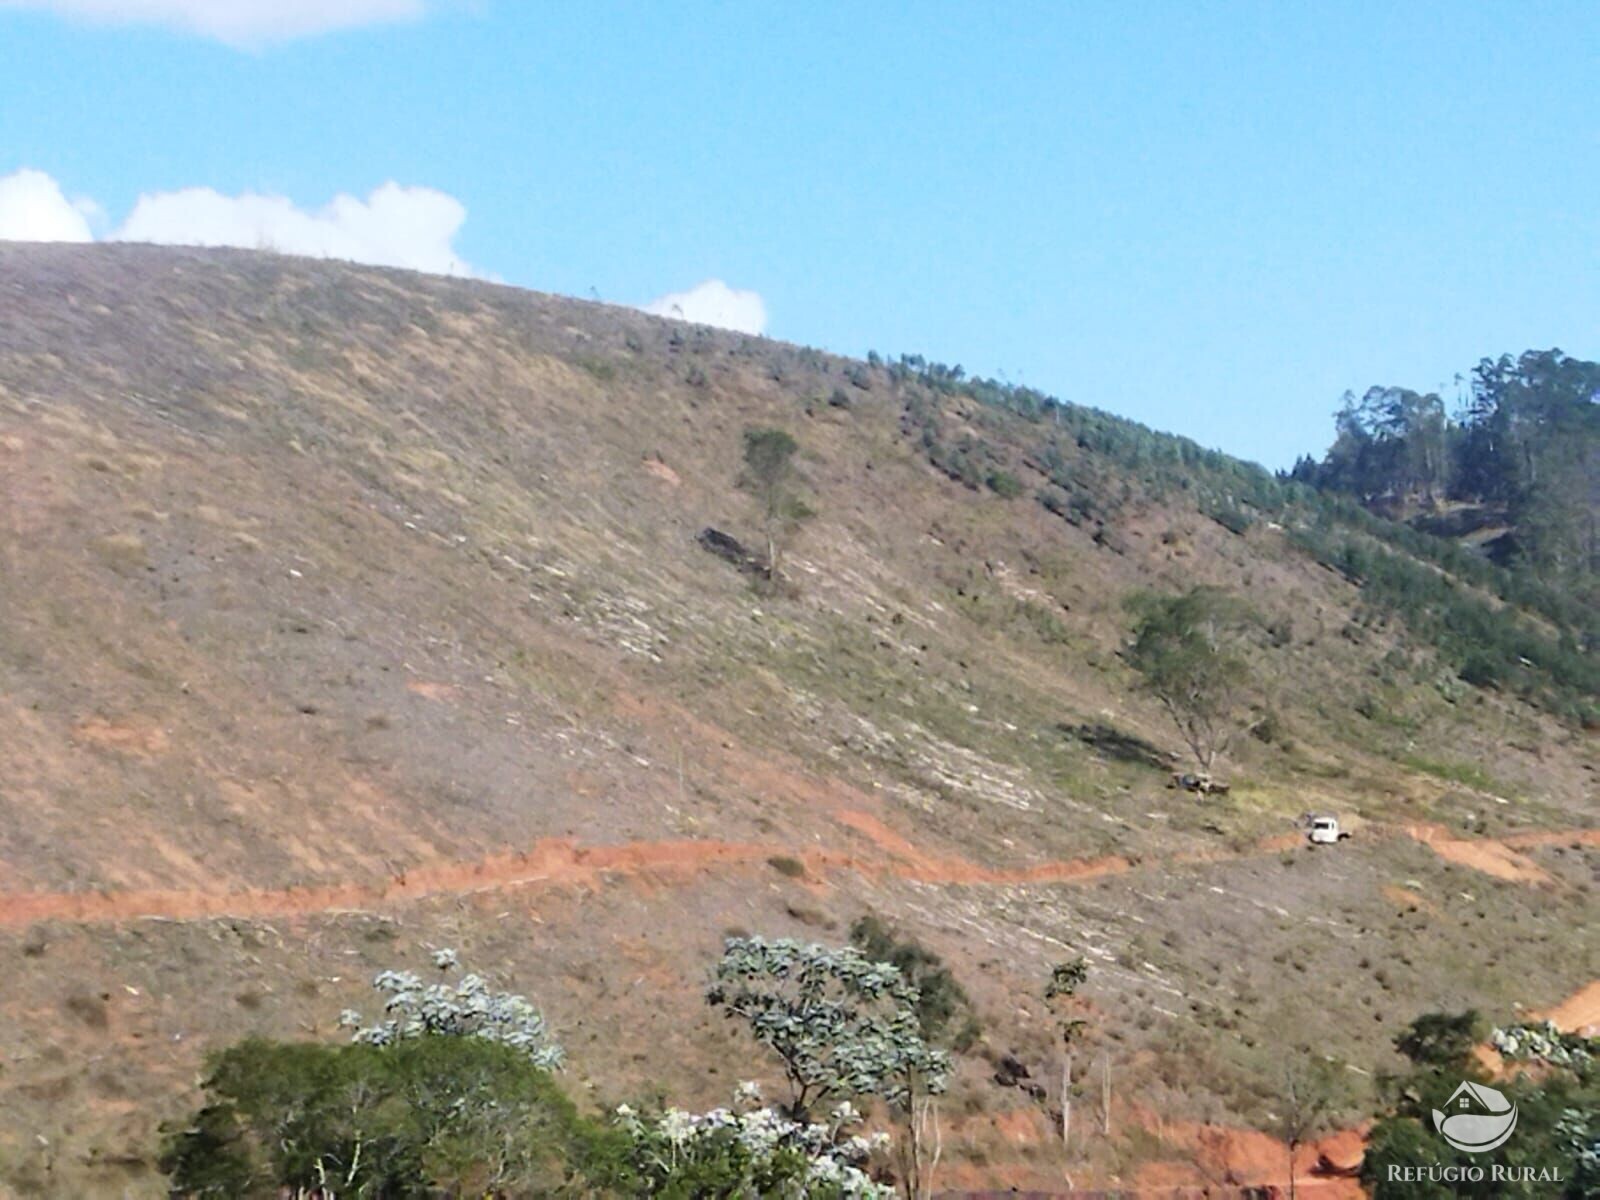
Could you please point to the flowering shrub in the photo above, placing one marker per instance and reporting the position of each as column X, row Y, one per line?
column 465, row 1009
column 748, row 1150
column 1544, row 1042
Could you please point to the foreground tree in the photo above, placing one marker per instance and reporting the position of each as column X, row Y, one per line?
column 1185, row 650
column 842, row 1025
column 449, row 1092
column 420, row 1116
column 770, row 477
column 452, row 1093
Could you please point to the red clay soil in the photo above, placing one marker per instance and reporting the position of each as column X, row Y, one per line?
column 561, row 862
column 553, row 862
column 1326, row 1169
column 1580, row 1012
column 924, row 867
column 1246, row 1158
column 1493, row 857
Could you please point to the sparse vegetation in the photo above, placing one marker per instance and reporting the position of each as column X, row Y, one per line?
column 1306, row 1102
column 1094, row 462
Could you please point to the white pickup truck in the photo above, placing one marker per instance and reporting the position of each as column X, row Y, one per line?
column 1325, row 831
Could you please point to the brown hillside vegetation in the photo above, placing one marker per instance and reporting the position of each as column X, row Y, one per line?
column 347, row 612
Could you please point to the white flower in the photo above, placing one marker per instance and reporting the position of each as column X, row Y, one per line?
column 676, row 1126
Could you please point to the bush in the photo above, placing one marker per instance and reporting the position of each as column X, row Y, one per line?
column 417, row 1116
column 1231, row 517
column 1004, row 484
column 1556, row 1128
column 784, row 865
column 944, row 1011
column 747, row 1150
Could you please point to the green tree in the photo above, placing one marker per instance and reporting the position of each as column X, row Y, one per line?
column 1185, row 650
column 1533, row 442
column 418, row 1117
column 449, row 1092
column 842, row 1025
column 771, row 478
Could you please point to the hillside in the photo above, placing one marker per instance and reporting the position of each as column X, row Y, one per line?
column 346, row 613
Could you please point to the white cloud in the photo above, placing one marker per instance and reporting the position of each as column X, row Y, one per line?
column 33, row 209
column 714, row 303
column 395, row 226
column 237, row 22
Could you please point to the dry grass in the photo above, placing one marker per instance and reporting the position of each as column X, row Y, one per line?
column 310, row 574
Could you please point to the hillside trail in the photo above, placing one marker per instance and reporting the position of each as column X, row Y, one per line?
column 1500, row 857
column 1579, row 1012
column 562, row 862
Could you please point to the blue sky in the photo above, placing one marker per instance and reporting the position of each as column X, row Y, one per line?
column 1211, row 217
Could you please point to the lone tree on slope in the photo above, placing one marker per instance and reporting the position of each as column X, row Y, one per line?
column 1184, row 647
column 770, row 476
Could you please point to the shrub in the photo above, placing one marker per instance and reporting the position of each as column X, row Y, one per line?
column 1231, row 517
column 784, row 865
column 1556, row 1130
column 944, row 1011
column 1004, row 484
column 746, row 1150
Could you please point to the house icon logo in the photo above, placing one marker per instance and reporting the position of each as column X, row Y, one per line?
column 1476, row 1118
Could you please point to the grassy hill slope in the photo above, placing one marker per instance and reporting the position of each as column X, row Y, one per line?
column 345, row 612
